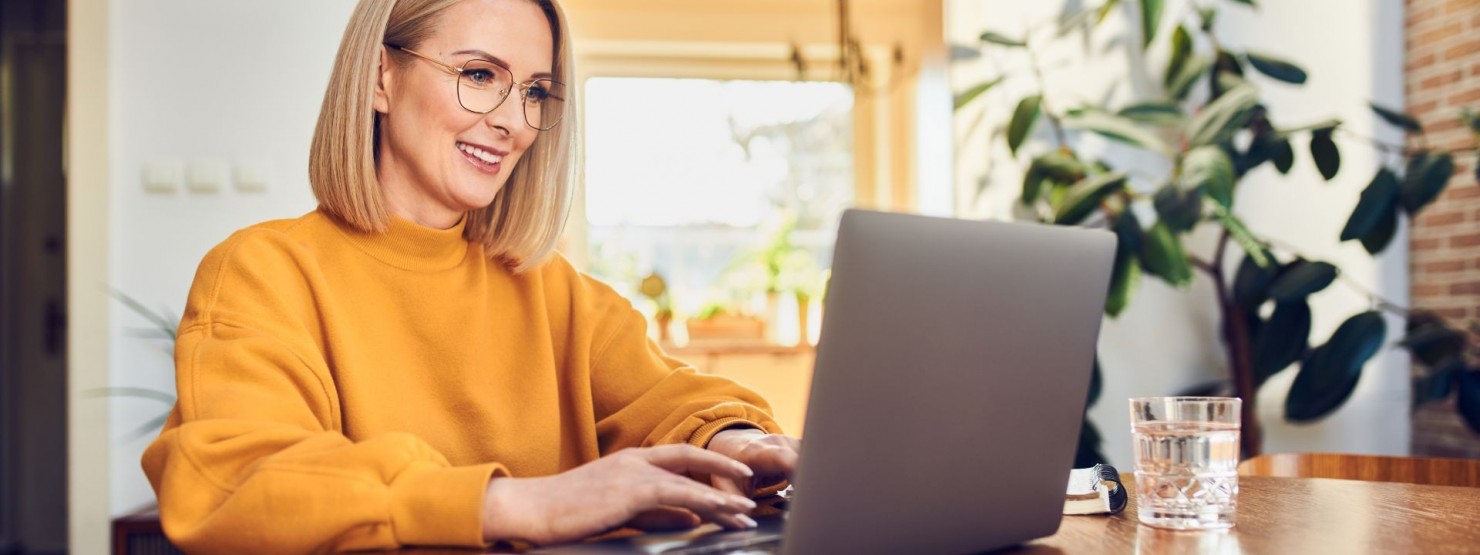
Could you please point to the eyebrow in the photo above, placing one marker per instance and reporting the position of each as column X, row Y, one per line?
column 497, row 60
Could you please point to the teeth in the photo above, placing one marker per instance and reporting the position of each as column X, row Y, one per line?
column 486, row 156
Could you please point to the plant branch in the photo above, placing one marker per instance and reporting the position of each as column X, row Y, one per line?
column 1202, row 265
column 1053, row 118
column 1391, row 148
column 1378, row 301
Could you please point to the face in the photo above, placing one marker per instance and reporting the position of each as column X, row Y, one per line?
column 436, row 159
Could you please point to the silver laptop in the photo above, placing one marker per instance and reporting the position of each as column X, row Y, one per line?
column 949, row 388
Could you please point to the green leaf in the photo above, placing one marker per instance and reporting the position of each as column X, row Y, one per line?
column 1191, row 71
column 1301, row 279
column 1241, row 234
column 970, row 94
column 1331, row 123
column 1053, row 167
column 1181, row 49
column 1323, row 149
column 1468, row 384
column 1400, row 120
column 1282, row 155
column 1118, row 128
column 1106, row 8
column 1431, row 341
column 1088, row 454
column 1282, row 341
column 1378, row 238
column 1437, row 383
column 1471, row 119
column 1023, row 119
column 1277, row 68
column 1428, row 173
column 1251, row 282
column 1004, row 40
column 1179, row 208
column 1153, row 112
column 1208, row 15
column 1249, row 3
column 1208, row 169
column 1150, row 20
column 1096, row 383
column 1379, row 199
column 1127, row 273
column 1220, row 119
column 1162, row 256
column 1330, row 373
column 1087, row 195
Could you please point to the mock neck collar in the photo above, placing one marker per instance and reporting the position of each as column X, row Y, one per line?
column 411, row 246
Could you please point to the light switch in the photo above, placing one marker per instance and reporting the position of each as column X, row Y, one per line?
column 252, row 175
column 162, row 176
column 206, row 175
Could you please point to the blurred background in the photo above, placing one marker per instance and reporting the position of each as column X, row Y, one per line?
column 723, row 140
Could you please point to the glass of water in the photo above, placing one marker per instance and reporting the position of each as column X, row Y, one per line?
column 1186, row 453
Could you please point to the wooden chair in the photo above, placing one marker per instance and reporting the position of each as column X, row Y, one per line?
column 1371, row 468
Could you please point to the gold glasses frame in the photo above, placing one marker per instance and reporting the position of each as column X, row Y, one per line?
column 503, row 94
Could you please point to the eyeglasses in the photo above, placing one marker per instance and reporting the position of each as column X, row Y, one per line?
column 482, row 86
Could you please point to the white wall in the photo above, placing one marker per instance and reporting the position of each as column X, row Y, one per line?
column 195, row 80
column 1169, row 338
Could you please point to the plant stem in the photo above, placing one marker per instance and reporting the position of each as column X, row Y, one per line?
column 1400, row 149
column 1053, row 118
column 1236, row 344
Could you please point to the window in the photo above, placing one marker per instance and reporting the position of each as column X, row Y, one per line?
column 728, row 189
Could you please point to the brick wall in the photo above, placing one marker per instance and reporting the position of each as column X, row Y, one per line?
column 1442, row 75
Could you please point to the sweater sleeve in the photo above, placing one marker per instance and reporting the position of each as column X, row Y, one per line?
column 644, row 397
column 253, row 457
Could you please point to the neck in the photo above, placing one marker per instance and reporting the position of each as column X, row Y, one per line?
column 404, row 199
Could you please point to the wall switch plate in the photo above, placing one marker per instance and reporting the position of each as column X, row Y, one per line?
column 162, row 176
column 206, row 175
column 252, row 175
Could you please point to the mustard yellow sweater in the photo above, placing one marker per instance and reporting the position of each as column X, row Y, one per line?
column 339, row 390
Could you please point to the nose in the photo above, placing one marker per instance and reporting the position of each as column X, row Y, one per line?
column 508, row 117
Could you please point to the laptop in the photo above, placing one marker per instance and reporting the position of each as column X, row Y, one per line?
column 946, row 401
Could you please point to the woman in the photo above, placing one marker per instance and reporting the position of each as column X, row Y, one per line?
column 410, row 364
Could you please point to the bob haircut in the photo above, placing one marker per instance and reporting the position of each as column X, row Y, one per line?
column 522, row 225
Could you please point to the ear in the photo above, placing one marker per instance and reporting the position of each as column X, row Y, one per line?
column 383, row 77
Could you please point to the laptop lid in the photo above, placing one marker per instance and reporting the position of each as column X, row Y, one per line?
column 950, row 383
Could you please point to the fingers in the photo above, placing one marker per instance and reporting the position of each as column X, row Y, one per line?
column 730, row 486
column 664, row 519
column 725, row 509
column 774, row 457
column 680, row 459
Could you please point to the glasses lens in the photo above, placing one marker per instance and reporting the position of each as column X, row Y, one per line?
column 544, row 103
column 483, row 85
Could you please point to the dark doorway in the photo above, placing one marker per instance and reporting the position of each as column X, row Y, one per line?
column 33, row 369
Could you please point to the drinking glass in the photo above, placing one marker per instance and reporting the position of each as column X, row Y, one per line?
column 1186, row 455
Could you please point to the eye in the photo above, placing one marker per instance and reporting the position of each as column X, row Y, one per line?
column 480, row 76
column 536, row 93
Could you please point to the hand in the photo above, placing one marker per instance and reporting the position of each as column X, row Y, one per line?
column 641, row 487
column 772, row 457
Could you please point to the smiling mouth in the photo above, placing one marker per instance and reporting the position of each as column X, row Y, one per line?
column 481, row 158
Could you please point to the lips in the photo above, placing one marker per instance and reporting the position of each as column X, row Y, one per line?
column 484, row 158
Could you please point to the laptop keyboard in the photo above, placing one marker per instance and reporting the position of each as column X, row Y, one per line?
column 738, row 546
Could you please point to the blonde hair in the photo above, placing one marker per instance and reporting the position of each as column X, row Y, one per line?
column 523, row 223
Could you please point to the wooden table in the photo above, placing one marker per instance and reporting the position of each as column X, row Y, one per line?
column 1296, row 516
column 1282, row 516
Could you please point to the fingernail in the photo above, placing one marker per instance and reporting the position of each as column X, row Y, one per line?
column 749, row 522
column 744, row 470
column 745, row 502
